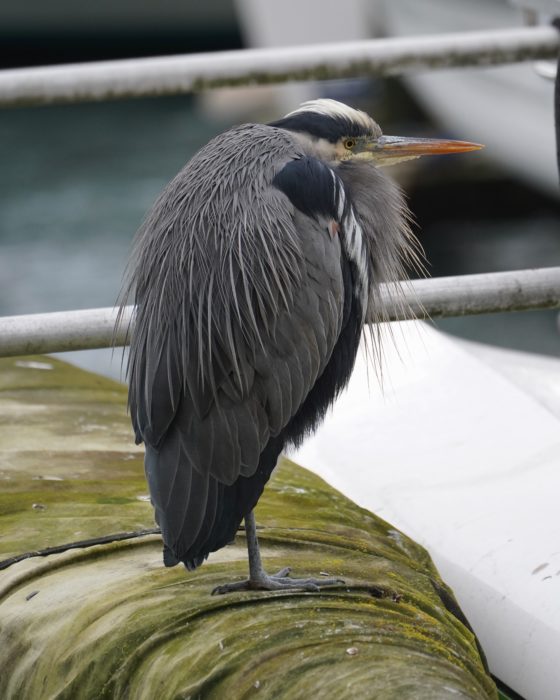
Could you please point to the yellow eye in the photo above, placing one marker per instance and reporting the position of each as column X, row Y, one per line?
column 349, row 144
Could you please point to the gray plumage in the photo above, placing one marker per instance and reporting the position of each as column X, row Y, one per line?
column 253, row 274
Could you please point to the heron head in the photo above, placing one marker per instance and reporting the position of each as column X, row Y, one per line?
column 335, row 132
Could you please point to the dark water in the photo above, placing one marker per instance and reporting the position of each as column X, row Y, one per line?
column 477, row 226
column 75, row 182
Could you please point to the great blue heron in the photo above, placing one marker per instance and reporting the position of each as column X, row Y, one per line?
column 253, row 275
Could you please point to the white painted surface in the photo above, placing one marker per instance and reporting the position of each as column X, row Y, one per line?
column 510, row 108
column 467, row 463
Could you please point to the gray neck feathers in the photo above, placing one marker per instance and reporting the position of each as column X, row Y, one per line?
column 392, row 250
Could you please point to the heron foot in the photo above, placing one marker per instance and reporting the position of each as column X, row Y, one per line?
column 280, row 581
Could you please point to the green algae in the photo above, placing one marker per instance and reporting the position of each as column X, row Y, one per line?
column 68, row 467
column 109, row 621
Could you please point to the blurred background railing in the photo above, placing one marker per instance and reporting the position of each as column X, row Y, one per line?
column 170, row 75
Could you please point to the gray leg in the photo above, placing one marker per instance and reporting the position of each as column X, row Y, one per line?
column 260, row 580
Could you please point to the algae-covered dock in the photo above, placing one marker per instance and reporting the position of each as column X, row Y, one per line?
column 104, row 618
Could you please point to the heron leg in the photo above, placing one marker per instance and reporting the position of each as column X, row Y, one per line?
column 260, row 580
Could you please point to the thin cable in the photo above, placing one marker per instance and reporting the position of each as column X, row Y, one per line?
column 81, row 544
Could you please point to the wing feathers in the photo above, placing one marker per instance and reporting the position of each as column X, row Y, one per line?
column 246, row 333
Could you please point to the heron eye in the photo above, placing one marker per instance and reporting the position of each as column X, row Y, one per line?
column 349, row 143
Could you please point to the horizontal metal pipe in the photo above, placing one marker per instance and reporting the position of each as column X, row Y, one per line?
column 60, row 331
column 466, row 295
column 168, row 75
column 443, row 296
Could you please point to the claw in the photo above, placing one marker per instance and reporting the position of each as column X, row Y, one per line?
column 278, row 582
column 259, row 580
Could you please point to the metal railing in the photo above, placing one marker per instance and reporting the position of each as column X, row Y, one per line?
column 443, row 296
column 180, row 74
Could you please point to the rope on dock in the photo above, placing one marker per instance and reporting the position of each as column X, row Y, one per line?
column 81, row 544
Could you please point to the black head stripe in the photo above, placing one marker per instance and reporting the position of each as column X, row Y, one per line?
column 322, row 126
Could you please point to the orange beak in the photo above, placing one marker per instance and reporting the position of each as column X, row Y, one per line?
column 392, row 149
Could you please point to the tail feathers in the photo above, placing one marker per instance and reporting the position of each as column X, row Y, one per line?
column 196, row 513
column 169, row 559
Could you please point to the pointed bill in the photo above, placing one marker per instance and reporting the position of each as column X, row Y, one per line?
column 393, row 149
column 402, row 145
